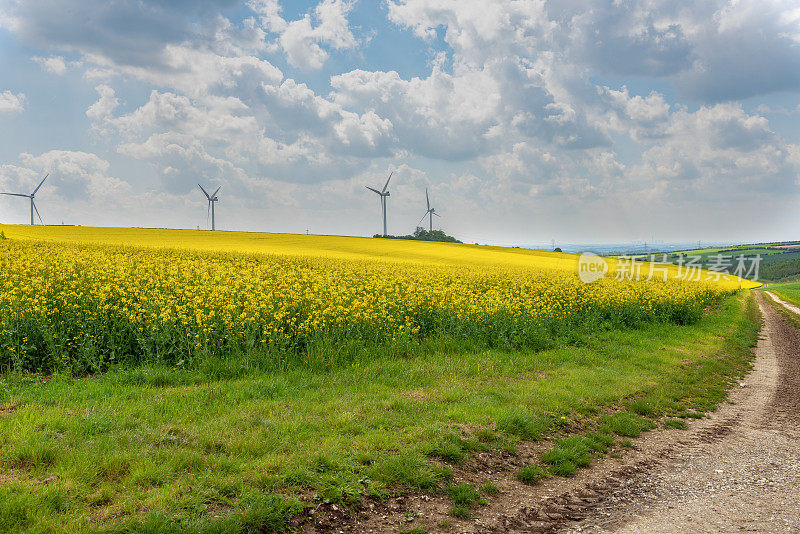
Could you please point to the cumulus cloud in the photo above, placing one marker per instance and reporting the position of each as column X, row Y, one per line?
column 751, row 47
column 77, row 175
column 519, row 105
column 11, row 103
column 303, row 39
column 53, row 64
column 78, row 182
column 642, row 117
column 127, row 31
column 719, row 151
column 100, row 112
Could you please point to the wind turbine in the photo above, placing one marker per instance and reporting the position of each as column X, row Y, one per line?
column 383, row 194
column 430, row 213
column 33, row 205
column 211, row 199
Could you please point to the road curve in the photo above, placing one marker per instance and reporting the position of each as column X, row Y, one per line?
column 742, row 473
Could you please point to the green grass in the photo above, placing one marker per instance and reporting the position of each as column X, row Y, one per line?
column 700, row 387
column 675, row 423
column 576, row 451
column 532, row 474
column 626, row 424
column 790, row 292
column 464, row 494
column 464, row 497
column 205, row 450
column 489, row 488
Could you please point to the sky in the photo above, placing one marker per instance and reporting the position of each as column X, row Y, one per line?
column 527, row 121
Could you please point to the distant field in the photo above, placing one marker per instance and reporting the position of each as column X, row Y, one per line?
column 160, row 380
column 779, row 261
column 298, row 245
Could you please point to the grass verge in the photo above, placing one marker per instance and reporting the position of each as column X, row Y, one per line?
column 160, row 449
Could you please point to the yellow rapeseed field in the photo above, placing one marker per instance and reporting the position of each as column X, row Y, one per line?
column 84, row 298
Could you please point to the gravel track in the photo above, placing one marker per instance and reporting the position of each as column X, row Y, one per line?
column 737, row 470
column 742, row 474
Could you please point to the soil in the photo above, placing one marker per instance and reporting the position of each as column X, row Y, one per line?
column 735, row 470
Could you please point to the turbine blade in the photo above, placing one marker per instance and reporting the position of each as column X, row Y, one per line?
column 427, row 200
column 387, row 182
column 16, row 195
column 40, row 184
column 37, row 211
column 371, row 189
column 436, row 214
column 204, row 191
column 215, row 192
column 423, row 218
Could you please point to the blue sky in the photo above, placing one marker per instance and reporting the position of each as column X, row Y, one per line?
column 527, row 120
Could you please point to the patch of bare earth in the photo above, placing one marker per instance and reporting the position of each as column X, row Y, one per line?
column 736, row 470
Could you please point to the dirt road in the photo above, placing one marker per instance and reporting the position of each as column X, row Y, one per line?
column 735, row 471
column 742, row 473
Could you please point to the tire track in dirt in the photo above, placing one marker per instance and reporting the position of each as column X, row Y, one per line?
column 736, row 470
column 741, row 473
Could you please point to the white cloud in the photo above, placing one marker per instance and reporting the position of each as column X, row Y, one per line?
column 100, row 112
column 193, row 71
column 303, row 39
column 53, row 64
column 74, row 176
column 519, row 102
column 640, row 117
column 720, row 152
column 11, row 103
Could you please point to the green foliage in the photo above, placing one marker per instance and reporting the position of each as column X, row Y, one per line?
column 461, row 512
column 575, row 451
column 526, row 426
column 489, row 488
column 408, row 471
column 783, row 269
column 675, row 423
column 464, row 496
column 420, row 234
column 453, row 448
column 532, row 474
column 642, row 407
column 626, row 424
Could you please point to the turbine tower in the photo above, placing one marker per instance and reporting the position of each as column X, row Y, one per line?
column 211, row 199
column 383, row 194
column 430, row 212
column 31, row 196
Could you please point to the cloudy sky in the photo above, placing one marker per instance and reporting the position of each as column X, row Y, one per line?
column 579, row 121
